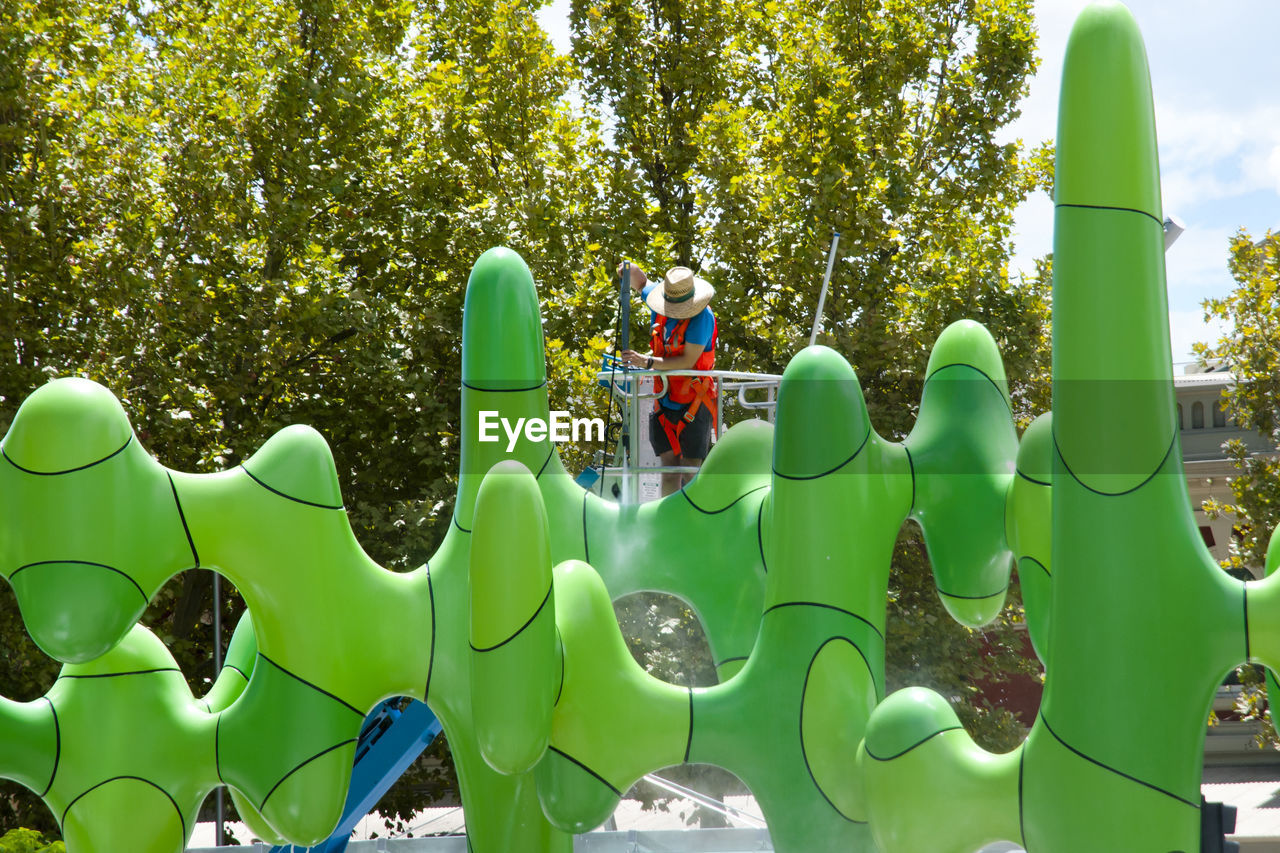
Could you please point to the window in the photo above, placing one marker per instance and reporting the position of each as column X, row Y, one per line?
column 1206, row 533
column 1219, row 416
column 1197, row 415
column 1180, row 421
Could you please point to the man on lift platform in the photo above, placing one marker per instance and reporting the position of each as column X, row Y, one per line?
column 683, row 338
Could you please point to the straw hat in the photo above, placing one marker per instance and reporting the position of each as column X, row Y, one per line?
column 681, row 296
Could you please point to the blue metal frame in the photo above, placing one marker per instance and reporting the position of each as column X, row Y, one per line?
column 390, row 741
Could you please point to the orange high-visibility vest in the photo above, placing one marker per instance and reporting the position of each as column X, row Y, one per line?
column 691, row 391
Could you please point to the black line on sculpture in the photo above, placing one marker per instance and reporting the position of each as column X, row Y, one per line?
column 865, row 438
column 110, row 455
column 285, row 495
column 519, row 630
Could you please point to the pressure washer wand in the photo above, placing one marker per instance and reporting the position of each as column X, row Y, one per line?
column 621, row 343
column 826, row 279
column 624, row 309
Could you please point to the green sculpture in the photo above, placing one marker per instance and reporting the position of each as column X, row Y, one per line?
column 816, row 668
column 96, row 526
column 508, row 632
column 332, row 627
column 1138, row 606
column 118, row 748
column 951, row 475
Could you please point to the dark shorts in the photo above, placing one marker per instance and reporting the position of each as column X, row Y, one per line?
column 695, row 440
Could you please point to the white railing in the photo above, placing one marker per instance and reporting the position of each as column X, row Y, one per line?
column 755, row 393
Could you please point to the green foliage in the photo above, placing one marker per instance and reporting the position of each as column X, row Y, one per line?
column 25, row 675
column 240, row 214
column 747, row 131
column 1250, row 349
column 926, row 647
column 29, row 841
column 666, row 639
column 1252, row 703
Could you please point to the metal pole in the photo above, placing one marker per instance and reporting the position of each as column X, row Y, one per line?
column 719, row 430
column 217, row 669
column 624, row 343
column 826, row 279
column 631, row 480
column 624, row 307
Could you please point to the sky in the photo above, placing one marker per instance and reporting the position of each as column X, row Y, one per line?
column 1215, row 78
column 1215, row 74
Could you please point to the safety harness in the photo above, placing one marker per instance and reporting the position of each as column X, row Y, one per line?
column 693, row 392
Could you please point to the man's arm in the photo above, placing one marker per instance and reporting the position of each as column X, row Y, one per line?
column 684, row 361
column 638, row 278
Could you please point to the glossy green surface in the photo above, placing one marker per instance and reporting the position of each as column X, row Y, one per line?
column 962, row 450
column 118, row 748
column 916, row 749
column 1029, row 528
column 1272, row 563
column 786, row 537
column 788, row 569
column 514, row 669
column 1123, row 598
column 86, row 544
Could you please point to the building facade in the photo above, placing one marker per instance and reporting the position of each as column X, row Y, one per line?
column 1203, row 429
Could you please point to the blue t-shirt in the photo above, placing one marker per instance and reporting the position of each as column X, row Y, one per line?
column 701, row 327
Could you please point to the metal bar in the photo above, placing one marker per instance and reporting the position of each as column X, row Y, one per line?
column 638, row 396
column 754, row 404
column 624, row 334
column 219, row 804
column 730, row 375
column 632, row 399
column 624, row 307
column 826, row 279
column 631, row 482
column 670, row 469
column 719, row 427
column 1173, row 229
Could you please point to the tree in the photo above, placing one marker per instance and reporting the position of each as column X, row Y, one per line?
column 1250, row 349
column 28, row 841
column 240, row 215
column 747, row 131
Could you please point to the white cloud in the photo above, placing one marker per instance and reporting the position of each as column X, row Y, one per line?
column 1034, row 238
column 554, row 18
column 1198, row 261
column 1189, row 327
column 1213, row 72
column 1273, row 168
column 1210, row 154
